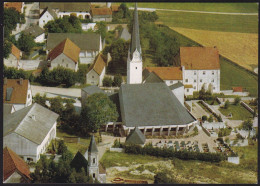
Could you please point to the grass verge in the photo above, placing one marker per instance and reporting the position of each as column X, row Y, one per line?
column 238, row 112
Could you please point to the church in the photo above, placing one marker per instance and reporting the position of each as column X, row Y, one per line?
column 152, row 106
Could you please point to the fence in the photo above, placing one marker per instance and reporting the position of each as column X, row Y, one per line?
column 247, row 107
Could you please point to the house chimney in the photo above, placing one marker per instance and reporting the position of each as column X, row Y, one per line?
column 5, row 81
column 21, row 81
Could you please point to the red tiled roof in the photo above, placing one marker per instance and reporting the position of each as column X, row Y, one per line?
column 237, row 89
column 12, row 162
column 99, row 64
column 17, row 5
column 19, row 93
column 66, row 47
column 167, row 73
column 16, row 52
column 199, row 58
column 101, row 11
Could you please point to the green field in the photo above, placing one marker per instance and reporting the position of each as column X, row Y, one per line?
column 209, row 7
column 238, row 112
column 232, row 76
column 211, row 22
column 186, row 171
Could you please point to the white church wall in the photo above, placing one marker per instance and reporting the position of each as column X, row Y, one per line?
column 179, row 93
column 134, row 69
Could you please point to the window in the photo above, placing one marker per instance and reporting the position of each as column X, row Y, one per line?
column 212, row 80
column 135, row 67
column 28, row 96
column 186, row 80
column 195, row 73
column 201, row 80
column 214, row 88
column 94, row 175
column 204, row 72
column 43, row 21
column 187, row 90
column 194, row 80
column 92, row 76
column 212, row 72
column 194, row 87
column 171, row 82
column 93, row 160
column 62, row 60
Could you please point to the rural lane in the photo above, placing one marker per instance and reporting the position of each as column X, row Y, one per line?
column 191, row 11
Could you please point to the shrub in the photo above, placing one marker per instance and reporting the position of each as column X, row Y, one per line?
column 117, row 80
column 226, row 104
column 237, row 100
column 210, row 119
column 107, row 82
column 204, row 118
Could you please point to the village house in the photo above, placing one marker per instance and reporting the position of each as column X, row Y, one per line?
column 34, row 30
column 29, row 131
column 17, row 92
column 47, row 15
column 97, row 71
column 79, row 9
column 65, row 54
column 14, row 58
column 15, row 170
column 101, row 14
column 200, row 67
column 90, row 44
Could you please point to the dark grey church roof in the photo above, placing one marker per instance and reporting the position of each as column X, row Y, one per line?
column 153, row 78
column 135, row 137
column 85, row 41
column 92, row 146
column 151, row 104
column 92, row 90
column 22, row 122
column 135, row 38
column 176, row 85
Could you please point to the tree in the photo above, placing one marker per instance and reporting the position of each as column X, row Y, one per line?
column 125, row 10
column 11, row 18
column 40, row 99
column 210, row 119
column 56, row 105
column 26, row 42
column 62, row 148
column 98, row 110
column 7, row 48
column 237, row 100
column 247, row 125
column 101, row 29
column 117, row 80
column 107, row 82
column 227, row 104
column 163, row 178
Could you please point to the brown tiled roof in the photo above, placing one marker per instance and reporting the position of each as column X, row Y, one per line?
column 167, row 73
column 188, row 86
column 99, row 64
column 19, row 93
column 199, row 58
column 12, row 162
column 237, row 89
column 16, row 52
column 66, row 47
column 16, row 5
column 101, row 11
column 115, row 8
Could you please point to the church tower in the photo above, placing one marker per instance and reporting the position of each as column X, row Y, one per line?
column 93, row 169
column 134, row 60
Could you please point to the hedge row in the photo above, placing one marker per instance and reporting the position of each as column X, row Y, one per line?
column 170, row 153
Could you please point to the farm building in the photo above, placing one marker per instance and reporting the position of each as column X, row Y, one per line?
column 101, row 14
column 14, row 58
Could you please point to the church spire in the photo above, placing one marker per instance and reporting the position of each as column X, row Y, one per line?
column 135, row 38
column 92, row 146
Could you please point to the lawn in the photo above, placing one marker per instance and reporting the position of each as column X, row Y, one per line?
column 184, row 171
column 73, row 144
column 238, row 112
column 232, row 76
column 212, row 22
column 209, row 7
column 210, row 101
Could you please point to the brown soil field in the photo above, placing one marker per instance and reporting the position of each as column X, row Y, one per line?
column 241, row 48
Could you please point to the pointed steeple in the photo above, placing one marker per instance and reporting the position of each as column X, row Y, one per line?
column 92, row 146
column 135, row 38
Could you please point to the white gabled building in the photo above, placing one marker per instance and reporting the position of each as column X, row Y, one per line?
column 200, row 67
column 47, row 15
column 29, row 131
column 17, row 92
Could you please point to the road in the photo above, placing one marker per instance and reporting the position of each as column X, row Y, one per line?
column 191, row 11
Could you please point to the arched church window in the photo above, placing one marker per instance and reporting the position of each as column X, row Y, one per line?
column 94, row 160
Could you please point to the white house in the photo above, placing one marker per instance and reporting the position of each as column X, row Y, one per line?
column 29, row 131
column 90, row 44
column 79, row 9
column 17, row 92
column 47, row 15
column 178, row 90
column 97, row 71
column 87, row 26
column 14, row 58
column 200, row 67
column 34, row 30
column 65, row 54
